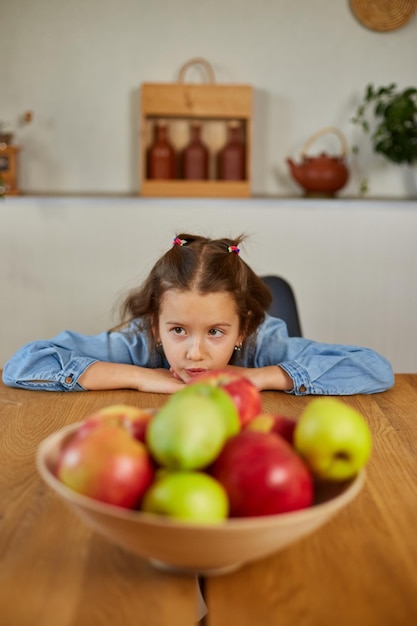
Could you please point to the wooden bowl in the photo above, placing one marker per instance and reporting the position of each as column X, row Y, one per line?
column 188, row 548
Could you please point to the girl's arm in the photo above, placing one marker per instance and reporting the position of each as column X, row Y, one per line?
column 313, row 367
column 270, row 377
column 75, row 362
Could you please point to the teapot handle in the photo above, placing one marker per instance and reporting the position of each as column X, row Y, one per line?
column 325, row 131
column 197, row 61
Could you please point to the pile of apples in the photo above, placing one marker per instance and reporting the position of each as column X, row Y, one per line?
column 210, row 453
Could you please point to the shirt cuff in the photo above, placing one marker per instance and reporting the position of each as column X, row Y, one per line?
column 299, row 375
column 66, row 379
column 69, row 375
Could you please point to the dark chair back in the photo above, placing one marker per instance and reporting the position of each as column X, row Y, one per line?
column 284, row 305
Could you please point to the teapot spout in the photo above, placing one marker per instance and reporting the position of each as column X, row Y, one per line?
column 291, row 165
column 295, row 170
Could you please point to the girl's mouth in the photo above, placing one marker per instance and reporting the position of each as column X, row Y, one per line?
column 195, row 372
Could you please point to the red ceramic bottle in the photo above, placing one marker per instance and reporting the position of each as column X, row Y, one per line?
column 232, row 157
column 195, row 157
column 161, row 155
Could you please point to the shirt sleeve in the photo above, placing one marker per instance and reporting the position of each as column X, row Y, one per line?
column 320, row 368
column 57, row 364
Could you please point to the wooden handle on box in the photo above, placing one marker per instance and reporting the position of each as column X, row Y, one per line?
column 197, row 61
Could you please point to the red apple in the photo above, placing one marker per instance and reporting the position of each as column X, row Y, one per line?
column 106, row 463
column 274, row 423
column 262, row 475
column 133, row 419
column 245, row 395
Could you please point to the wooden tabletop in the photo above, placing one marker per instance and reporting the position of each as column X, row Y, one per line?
column 360, row 569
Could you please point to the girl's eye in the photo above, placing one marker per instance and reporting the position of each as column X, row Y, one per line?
column 215, row 332
column 178, row 330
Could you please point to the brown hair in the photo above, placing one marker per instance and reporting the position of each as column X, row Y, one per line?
column 205, row 265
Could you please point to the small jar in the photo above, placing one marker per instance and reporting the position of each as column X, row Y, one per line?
column 195, row 156
column 232, row 157
column 161, row 155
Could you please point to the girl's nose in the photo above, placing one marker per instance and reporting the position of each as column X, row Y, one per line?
column 195, row 350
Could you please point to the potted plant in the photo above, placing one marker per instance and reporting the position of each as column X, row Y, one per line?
column 6, row 136
column 393, row 133
column 6, row 131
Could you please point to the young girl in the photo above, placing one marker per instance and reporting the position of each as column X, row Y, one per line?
column 201, row 308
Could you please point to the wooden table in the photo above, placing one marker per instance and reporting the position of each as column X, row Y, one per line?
column 358, row 570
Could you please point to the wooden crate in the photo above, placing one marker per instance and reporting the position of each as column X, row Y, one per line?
column 179, row 104
column 8, row 169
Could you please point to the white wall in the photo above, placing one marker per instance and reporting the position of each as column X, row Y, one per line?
column 79, row 65
column 64, row 262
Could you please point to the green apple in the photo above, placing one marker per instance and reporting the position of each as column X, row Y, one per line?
column 193, row 497
column 189, row 431
column 243, row 392
column 225, row 403
column 333, row 438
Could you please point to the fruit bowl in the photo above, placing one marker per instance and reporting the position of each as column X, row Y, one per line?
column 191, row 548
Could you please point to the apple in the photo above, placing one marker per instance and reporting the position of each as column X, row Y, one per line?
column 191, row 428
column 245, row 395
column 106, row 463
column 188, row 496
column 138, row 425
column 133, row 419
column 262, row 475
column 333, row 438
column 274, row 423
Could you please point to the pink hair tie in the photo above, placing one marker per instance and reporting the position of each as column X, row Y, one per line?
column 179, row 242
column 234, row 249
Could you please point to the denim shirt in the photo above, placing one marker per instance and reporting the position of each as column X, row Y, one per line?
column 315, row 368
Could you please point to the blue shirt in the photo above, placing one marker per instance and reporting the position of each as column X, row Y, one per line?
column 315, row 368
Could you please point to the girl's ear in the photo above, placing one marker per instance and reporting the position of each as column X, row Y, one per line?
column 241, row 338
column 154, row 328
column 244, row 327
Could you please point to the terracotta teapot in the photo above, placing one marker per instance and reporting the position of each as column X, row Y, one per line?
column 321, row 175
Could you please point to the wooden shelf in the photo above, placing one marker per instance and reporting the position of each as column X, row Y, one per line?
column 196, row 188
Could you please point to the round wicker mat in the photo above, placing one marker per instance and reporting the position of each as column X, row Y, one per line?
column 383, row 15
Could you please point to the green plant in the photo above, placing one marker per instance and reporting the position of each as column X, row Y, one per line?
column 394, row 131
column 5, row 133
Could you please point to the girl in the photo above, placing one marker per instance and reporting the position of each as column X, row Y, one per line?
column 201, row 308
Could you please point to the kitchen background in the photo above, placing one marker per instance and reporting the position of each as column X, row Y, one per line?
column 80, row 234
column 79, row 65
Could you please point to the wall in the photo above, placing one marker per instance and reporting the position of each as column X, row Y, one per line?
column 79, row 65
column 65, row 262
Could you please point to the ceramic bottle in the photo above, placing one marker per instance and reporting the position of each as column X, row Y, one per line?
column 195, row 156
column 232, row 157
column 161, row 155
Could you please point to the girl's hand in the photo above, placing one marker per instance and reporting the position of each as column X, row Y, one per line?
column 101, row 375
column 272, row 377
column 175, row 375
column 159, row 381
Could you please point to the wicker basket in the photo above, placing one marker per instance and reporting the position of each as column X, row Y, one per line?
column 383, row 15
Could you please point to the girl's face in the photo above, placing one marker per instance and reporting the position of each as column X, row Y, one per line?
column 197, row 332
